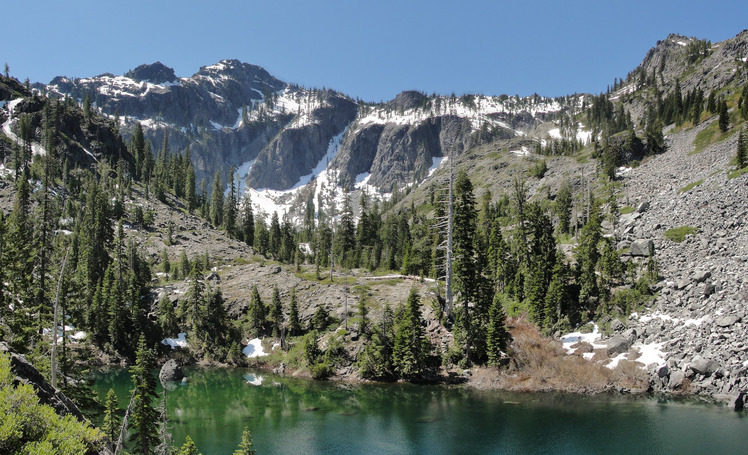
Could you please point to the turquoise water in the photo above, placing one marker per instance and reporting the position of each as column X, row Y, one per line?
column 300, row 416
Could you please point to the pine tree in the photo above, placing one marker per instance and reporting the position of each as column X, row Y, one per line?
column 112, row 419
column 216, row 201
column 188, row 448
column 230, row 207
column 496, row 336
column 247, row 230
column 465, row 273
column 411, row 348
column 275, row 236
column 724, row 117
column 143, row 418
column 256, row 313
column 245, row 446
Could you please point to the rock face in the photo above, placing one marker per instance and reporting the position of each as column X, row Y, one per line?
column 297, row 149
column 25, row 372
column 170, row 372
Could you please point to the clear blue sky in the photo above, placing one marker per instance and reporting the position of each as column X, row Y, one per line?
column 372, row 51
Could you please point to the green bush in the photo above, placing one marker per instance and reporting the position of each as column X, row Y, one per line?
column 679, row 234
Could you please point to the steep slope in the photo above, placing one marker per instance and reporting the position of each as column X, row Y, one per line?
column 80, row 140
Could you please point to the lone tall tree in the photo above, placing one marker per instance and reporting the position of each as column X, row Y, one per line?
column 144, row 419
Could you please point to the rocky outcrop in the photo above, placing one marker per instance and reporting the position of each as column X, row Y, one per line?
column 25, row 373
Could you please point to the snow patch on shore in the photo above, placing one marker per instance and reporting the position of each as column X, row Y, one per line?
column 254, row 349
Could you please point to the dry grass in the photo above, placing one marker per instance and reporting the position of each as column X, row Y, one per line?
column 541, row 364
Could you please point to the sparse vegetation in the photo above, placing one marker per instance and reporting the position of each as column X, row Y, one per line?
column 679, row 234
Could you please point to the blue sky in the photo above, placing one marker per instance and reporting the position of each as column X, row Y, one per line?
column 371, row 51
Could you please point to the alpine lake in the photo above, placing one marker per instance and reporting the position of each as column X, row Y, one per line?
column 299, row 416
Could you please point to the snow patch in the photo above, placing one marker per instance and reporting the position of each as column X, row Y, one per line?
column 578, row 337
column 254, row 349
column 179, row 342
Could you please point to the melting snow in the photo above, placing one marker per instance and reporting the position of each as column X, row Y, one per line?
column 179, row 342
column 578, row 337
column 254, row 349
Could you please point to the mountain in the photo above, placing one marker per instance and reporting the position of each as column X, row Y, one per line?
column 236, row 114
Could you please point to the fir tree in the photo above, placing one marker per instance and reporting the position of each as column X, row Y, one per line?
column 216, row 201
column 188, row 448
column 112, row 419
column 724, row 117
column 247, row 229
column 256, row 313
column 410, row 350
column 496, row 336
column 143, row 418
column 245, row 446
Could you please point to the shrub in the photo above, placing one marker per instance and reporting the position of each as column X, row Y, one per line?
column 679, row 234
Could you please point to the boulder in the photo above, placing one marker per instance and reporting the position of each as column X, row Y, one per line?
column 663, row 371
column 701, row 276
column 676, row 379
column 726, row 321
column 738, row 403
column 170, row 372
column 703, row 366
column 709, row 289
column 618, row 344
column 617, row 326
column 640, row 247
column 643, row 207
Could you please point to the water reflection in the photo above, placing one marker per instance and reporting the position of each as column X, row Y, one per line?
column 289, row 415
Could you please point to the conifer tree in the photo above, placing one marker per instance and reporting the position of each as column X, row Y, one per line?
column 410, row 349
column 245, row 446
column 275, row 236
column 111, row 416
column 465, row 271
column 143, row 417
column 247, row 230
column 188, row 448
column 256, row 313
column 724, row 117
column 216, row 201
column 230, row 207
column 496, row 335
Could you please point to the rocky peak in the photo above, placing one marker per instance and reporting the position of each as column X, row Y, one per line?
column 156, row 73
column 409, row 99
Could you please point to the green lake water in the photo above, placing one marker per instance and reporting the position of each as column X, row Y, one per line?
column 297, row 416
